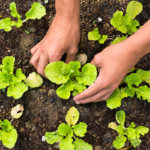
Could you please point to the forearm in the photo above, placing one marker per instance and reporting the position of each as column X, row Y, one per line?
column 68, row 8
column 139, row 43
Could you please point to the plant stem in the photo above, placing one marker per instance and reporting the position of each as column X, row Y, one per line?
column 11, row 120
column 24, row 20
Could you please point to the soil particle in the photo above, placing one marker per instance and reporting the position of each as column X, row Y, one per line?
column 98, row 147
column 32, row 29
column 107, row 138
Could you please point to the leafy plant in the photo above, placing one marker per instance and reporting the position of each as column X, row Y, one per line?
column 131, row 133
column 132, row 81
column 95, row 36
column 8, row 135
column 15, row 84
column 70, row 77
column 67, row 133
column 37, row 11
column 126, row 24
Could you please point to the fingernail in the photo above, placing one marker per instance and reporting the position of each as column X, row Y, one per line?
column 74, row 99
column 77, row 102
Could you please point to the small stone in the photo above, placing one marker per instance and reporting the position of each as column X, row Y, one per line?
column 52, row 92
column 25, row 62
column 27, row 66
column 42, row 91
column 82, row 58
column 28, row 125
column 57, row 145
column 34, row 128
column 107, row 138
column 32, row 29
column 43, row 138
column 98, row 147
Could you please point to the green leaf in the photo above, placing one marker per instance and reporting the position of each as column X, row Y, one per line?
column 131, row 133
column 130, row 92
column 120, row 129
column 74, row 66
column 64, row 129
column 88, row 74
column 37, row 11
column 57, row 72
column 144, row 92
column 20, row 76
column 6, row 125
column 80, row 129
column 9, row 138
column 6, row 24
column 1, row 134
column 120, row 22
column 94, row 35
column 8, row 64
column 34, row 80
column 132, row 125
column 4, row 80
column 142, row 130
column 103, row 39
column 17, row 90
column 81, row 145
column 79, row 87
column 66, row 144
column 64, row 90
column 52, row 137
column 120, row 117
column 133, row 79
column 114, row 100
column 112, row 125
column 134, row 8
column 132, row 27
column 118, row 39
column 135, row 142
column 143, row 74
column 13, row 9
column 75, row 92
column 119, row 142
column 72, row 116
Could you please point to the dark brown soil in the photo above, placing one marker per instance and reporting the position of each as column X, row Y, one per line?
column 44, row 112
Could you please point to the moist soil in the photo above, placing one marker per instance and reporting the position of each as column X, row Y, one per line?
column 44, row 111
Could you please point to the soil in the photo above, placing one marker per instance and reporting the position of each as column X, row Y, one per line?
column 44, row 111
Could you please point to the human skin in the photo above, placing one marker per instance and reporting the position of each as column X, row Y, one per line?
column 62, row 37
column 115, row 62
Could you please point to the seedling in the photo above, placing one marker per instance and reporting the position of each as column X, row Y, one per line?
column 70, row 77
column 133, row 81
column 131, row 133
column 68, row 133
column 27, row 32
column 126, row 24
column 15, row 83
column 37, row 11
column 95, row 36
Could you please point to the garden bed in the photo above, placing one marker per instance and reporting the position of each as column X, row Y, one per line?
column 44, row 111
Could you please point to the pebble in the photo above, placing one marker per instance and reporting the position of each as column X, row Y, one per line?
column 25, row 62
column 33, row 128
column 52, row 92
column 98, row 147
column 82, row 58
column 56, row 145
column 32, row 29
column 42, row 91
column 107, row 138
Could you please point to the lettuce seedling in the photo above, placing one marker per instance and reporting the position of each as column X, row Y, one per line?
column 67, row 133
column 8, row 135
column 37, row 11
column 131, row 133
column 126, row 24
column 133, row 87
column 95, row 36
column 15, row 84
column 70, row 77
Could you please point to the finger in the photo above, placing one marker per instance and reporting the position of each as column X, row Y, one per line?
column 96, row 61
column 34, row 49
column 92, row 90
column 54, row 57
column 43, row 61
column 71, row 55
column 35, row 58
column 100, row 96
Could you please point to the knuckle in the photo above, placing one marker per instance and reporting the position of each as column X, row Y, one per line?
column 39, row 71
column 32, row 61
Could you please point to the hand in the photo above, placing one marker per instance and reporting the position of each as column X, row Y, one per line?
column 114, row 63
column 62, row 37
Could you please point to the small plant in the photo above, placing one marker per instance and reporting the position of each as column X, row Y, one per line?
column 133, row 81
column 15, row 83
column 131, row 133
column 66, row 133
column 95, row 36
column 70, row 77
column 8, row 135
column 126, row 24
column 37, row 11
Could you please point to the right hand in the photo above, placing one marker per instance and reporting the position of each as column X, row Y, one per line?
column 62, row 37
